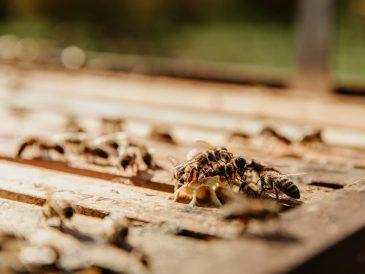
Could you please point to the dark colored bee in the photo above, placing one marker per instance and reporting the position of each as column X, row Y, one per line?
column 96, row 155
column 129, row 159
column 57, row 209
column 271, row 179
column 270, row 132
column 43, row 146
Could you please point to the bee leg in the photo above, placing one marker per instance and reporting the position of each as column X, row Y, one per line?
column 276, row 193
column 214, row 198
column 177, row 192
column 193, row 201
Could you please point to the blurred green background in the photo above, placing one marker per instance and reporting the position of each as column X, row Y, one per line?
column 248, row 32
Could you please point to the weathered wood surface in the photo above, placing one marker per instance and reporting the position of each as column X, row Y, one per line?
column 325, row 164
column 332, row 190
column 283, row 246
column 174, row 102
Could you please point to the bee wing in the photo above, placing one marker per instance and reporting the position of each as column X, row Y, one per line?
column 295, row 174
column 190, row 155
column 151, row 150
column 203, row 144
column 172, row 160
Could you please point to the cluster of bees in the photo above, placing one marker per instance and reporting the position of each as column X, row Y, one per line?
column 113, row 149
column 205, row 176
column 19, row 255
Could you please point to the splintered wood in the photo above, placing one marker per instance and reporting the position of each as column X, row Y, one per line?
column 159, row 235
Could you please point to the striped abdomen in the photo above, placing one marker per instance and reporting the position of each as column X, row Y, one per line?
column 286, row 186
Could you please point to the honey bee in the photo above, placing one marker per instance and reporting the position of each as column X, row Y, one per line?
column 18, row 255
column 230, row 171
column 111, row 125
column 72, row 125
column 96, row 155
column 128, row 158
column 314, row 137
column 161, row 133
column 72, row 142
column 270, row 132
column 40, row 148
column 145, row 155
column 108, row 143
column 116, row 231
column 59, row 210
column 271, row 179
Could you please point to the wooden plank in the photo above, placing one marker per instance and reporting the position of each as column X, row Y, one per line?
column 98, row 197
column 161, row 96
column 301, row 234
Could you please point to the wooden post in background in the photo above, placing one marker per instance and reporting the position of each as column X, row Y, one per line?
column 314, row 33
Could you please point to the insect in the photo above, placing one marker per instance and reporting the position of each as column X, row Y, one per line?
column 96, row 155
column 259, row 178
column 162, row 133
column 72, row 142
column 314, row 137
column 128, row 159
column 271, row 179
column 232, row 171
column 145, row 155
column 108, row 143
column 58, row 210
column 72, row 125
column 270, row 132
column 19, row 255
column 116, row 231
column 40, row 148
column 111, row 125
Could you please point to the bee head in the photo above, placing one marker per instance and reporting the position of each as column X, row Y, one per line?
column 203, row 162
column 147, row 159
column 59, row 149
column 221, row 170
column 240, row 163
column 211, row 156
column 229, row 169
column 68, row 212
column 114, row 145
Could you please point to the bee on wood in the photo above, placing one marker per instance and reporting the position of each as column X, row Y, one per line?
column 128, row 159
column 108, row 143
column 145, row 155
column 20, row 256
column 111, row 125
column 231, row 172
column 315, row 138
column 40, row 148
column 58, row 210
column 259, row 178
column 116, row 231
column 73, row 143
column 96, row 155
column 72, row 125
column 162, row 133
column 270, row 132
column 271, row 179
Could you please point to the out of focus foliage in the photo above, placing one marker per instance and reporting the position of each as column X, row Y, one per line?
column 243, row 31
